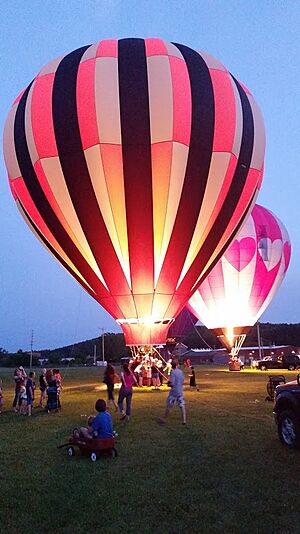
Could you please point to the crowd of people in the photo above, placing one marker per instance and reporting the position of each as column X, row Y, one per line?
column 25, row 389
column 147, row 370
column 142, row 371
column 101, row 425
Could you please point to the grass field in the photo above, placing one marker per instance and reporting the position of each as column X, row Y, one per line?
column 225, row 472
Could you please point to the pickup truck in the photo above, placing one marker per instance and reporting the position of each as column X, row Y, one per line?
column 290, row 362
column 287, row 413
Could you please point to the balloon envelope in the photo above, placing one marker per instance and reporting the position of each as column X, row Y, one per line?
column 183, row 324
column 242, row 284
column 134, row 162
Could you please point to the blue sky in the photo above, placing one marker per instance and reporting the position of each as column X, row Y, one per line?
column 258, row 41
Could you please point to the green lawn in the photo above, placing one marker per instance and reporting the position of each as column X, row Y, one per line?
column 226, row 472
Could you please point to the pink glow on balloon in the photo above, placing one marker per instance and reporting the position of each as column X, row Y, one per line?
column 244, row 281
column 240, row 253
column 287, row 254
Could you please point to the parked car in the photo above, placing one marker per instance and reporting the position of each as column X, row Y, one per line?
column 287, row 413
column 290, row 362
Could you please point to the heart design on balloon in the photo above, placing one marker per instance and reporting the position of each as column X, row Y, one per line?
column 241, row 252
column 270, row 252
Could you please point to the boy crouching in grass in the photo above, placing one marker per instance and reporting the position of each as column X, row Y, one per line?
column 99, row 426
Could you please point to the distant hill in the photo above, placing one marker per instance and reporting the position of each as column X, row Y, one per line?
column 199, row 337
column 114, row 349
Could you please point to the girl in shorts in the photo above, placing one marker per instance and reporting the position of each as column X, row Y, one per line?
column 110, row 378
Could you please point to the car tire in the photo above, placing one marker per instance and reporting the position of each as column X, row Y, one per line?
column 263, row 368
column 289, row 429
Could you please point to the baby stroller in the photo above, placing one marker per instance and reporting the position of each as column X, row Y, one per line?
column 53, row 400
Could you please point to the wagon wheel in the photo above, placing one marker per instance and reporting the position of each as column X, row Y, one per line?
column 93, row 456
column 76, row 433
column 71, row 451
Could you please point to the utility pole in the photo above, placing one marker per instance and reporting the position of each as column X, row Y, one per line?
column 103, row 345
column 31, row 346
column 95, row 355
column 258, row 339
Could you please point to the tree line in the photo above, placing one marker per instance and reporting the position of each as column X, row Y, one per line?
column 115, row 348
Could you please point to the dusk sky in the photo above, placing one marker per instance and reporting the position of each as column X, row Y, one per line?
column 257, row 41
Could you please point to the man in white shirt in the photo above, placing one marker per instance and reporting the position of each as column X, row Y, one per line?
column 176, row 394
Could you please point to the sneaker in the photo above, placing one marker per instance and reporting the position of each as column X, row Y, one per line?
column 123, row 417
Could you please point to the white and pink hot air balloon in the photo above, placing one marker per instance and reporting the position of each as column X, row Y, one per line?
column 242, row 284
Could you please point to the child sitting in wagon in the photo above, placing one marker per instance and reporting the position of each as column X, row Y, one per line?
column 99, row 426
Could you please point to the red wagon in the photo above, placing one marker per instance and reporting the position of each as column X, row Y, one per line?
column 94, row 448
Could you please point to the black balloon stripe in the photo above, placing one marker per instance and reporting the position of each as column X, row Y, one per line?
column 133, row 90
column 237, row 185
column 238, row 182
column 40, row 201
column 136, row 151
column 198, row 163
column 76, row 173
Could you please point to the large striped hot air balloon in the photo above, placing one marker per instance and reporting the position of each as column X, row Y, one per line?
column 242, row 284
column 134, row 162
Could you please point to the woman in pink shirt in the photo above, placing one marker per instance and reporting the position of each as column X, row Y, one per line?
column 128, row 380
